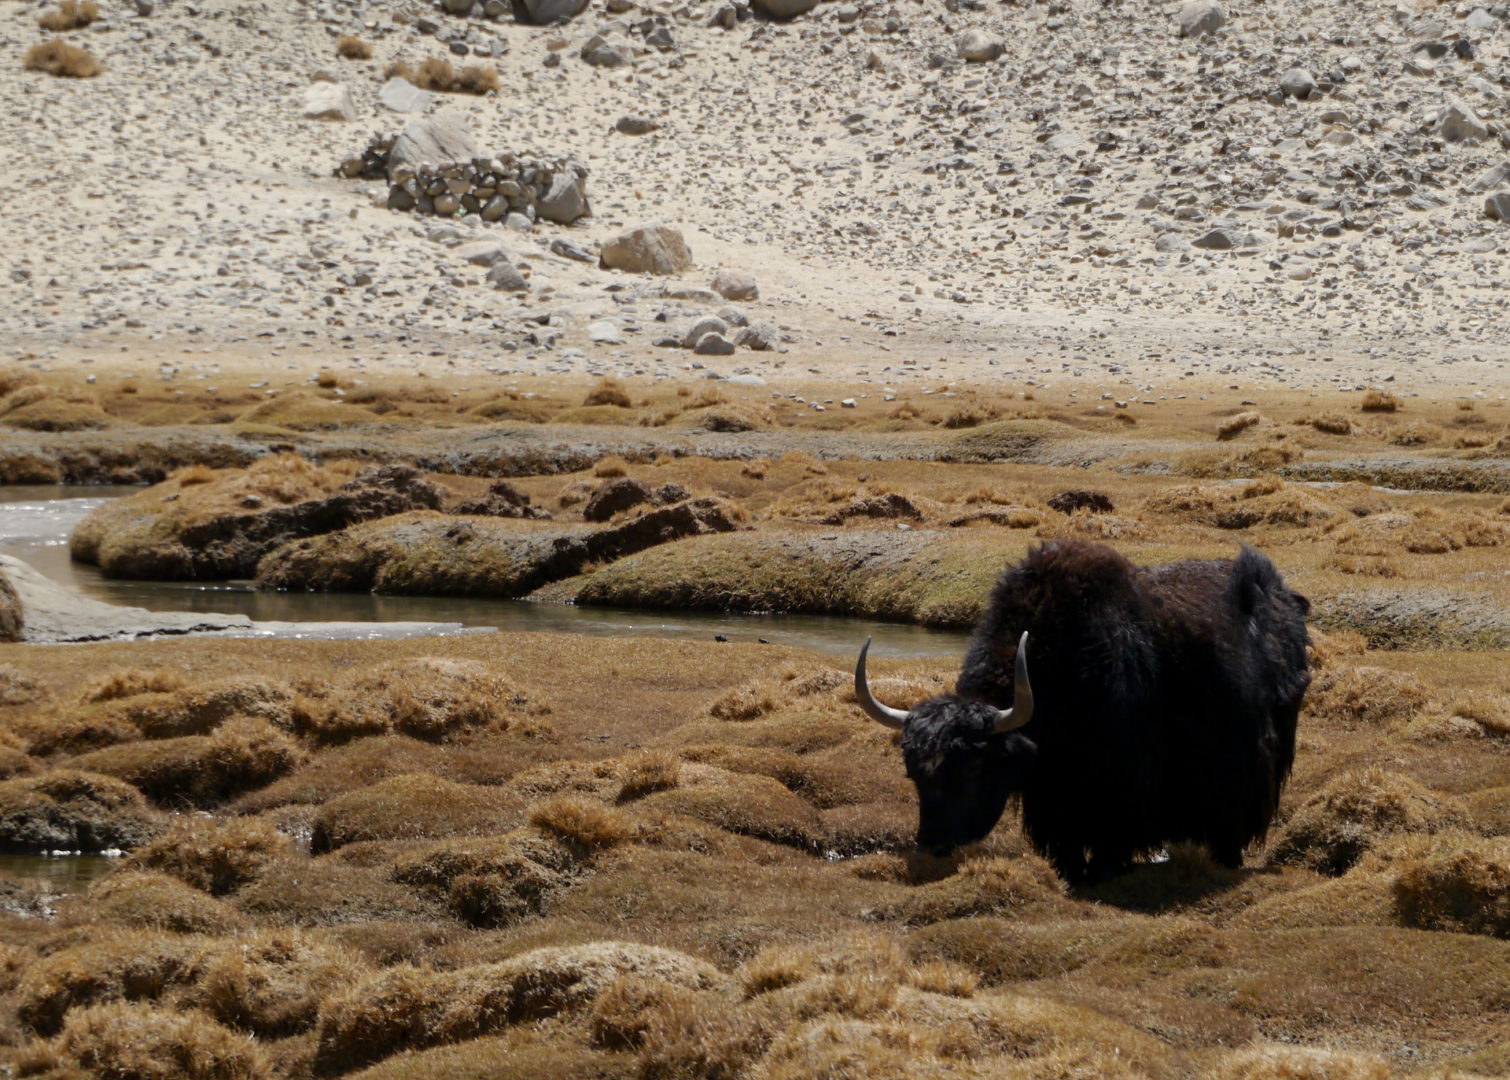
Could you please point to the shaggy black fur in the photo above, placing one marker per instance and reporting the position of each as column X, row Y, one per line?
column 1165, row 708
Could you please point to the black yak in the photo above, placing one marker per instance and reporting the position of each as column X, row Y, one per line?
column 1162, row 708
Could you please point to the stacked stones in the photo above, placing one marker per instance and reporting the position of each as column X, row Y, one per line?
column 521, row 190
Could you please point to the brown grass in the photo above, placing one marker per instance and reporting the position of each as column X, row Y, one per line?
column 608, row 392
column 135, row 1042
column 1333, row 829
column 353, row 48
column 216, row 856
column 1466, row 890
column 70, row 15
column 1380, row 401
column 437, row 73
column 1234, row 426
column 57, row 57
column 151, row 901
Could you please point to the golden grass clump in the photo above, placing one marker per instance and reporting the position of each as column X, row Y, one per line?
column 1268, row 1061
column 1234, row 426
column 1332, row 424
column 608, row 392
column 137, row 1042
column 582, row 822
column 1416, row 433
column 648, row 771
column 57, row 57
column 1381, row 401
column 352, row 47
column 1464, row 891
column 110, row 966
column 1353, row 813
column 405, row 1007
column 414, row 806
column 129, row 682
column 272, row 983
column 153, row 901
column 201, row 770
column 1364, row 696
column 982, row 886
column 70, row 15
column 438, row 74
column 217, row 857
column 427, row 697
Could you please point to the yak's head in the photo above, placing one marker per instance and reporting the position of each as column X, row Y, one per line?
column 966, row 757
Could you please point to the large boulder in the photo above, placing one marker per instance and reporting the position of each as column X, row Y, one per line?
column 541, row 12
column 441, row 140
column 564, row 201
column 653, row 248
column 785, row 9
column 328, row 101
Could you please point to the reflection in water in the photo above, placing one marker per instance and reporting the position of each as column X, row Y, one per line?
column 68, row 873
column 35, row 523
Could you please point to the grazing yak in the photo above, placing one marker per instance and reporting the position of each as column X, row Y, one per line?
column 1162, row 708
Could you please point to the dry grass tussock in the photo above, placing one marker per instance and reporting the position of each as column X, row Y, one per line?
column 57, row 57
column 352, row 47
column 69, row 15
column 712, row 877
column 438, row 74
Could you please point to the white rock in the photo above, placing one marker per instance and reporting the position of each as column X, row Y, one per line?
column 329, row 101
column 401, row 96
column 442, row 139
column 735, row 285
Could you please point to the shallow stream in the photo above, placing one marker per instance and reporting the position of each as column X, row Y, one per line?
column 36, row 521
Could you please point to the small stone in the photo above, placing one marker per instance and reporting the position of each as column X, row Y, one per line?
column 735, row 285
column 1198, row 17
column 635, row 125
column 1217, row 240
column 979, row 47
column 1493, row 178
column 542, row 12
column 328, row 101
column 482, row 252
column 785, row 9
column 760, row 336
column 563, row 202
column 704, row 326
column 607, row 53
column 1298, row 83
column 1497, row 206
column 604, row 332
column 1457, row 122
column 568, row 250
column 847, row 403
column 401, row 96
column 506, row 277
column 713, row 345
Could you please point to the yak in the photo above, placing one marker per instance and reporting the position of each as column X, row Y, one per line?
column 1162, row 708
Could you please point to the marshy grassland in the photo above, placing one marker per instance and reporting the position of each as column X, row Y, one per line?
column 549, row 855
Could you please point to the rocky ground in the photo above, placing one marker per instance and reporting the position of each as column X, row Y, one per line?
column 1098, row 196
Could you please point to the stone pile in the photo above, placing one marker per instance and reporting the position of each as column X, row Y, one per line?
column 515, row 190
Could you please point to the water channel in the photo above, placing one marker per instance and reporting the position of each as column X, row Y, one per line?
column 36, row 521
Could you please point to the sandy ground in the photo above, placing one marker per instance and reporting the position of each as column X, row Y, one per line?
column 911, row 218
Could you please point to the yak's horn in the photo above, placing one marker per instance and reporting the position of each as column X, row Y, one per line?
column 885, row 714
column 1022, row 699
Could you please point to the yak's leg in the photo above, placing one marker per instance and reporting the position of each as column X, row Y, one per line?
column 1227, row 852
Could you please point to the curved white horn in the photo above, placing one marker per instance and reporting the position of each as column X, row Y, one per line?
column 1022, row 698
column 885, row 714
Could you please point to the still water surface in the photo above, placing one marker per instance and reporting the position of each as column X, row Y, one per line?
column 36, row 521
